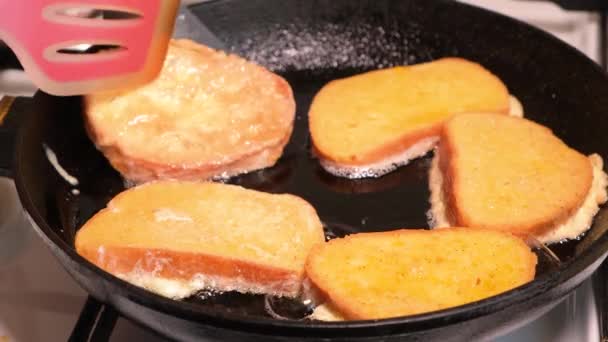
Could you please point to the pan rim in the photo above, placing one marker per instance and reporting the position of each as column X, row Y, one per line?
column 540, row 285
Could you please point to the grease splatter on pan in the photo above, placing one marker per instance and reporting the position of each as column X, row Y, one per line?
column 366, row 45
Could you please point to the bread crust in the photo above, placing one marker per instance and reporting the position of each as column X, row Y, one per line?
column 447, row 171
column 392, row 151
column 457, row 215
column 138, row 170
column 179, row 265
column 575, row 225
column 386, row 150
column 347, row 309
column 401, row 143
column 203, row 235
column 111, row 119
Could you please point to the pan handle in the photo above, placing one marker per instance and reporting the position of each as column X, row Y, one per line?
column 582, row 5
column 11, row 111
column 95, row 324
column 13, row 82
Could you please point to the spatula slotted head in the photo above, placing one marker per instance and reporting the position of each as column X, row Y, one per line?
column 86, row 46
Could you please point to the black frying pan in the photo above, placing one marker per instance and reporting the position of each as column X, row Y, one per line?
column 310, row 43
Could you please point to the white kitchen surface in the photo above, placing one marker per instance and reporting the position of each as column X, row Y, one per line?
column 40, row 302
column 580, row 29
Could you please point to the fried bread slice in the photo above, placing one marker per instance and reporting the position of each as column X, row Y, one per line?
column 177, row 237
column 369, row 124
column 207, row 115
column 407, row 272
column 515, row 175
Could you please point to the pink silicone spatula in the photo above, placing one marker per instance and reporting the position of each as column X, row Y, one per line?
column 131, row 37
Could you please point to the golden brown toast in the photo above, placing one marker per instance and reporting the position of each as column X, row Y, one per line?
column 510, row 174
column 178, row 237
column 407, row 272
column 374, row 119
column 208, row 114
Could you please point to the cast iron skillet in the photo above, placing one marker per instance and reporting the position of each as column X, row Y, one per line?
column 310, row 43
